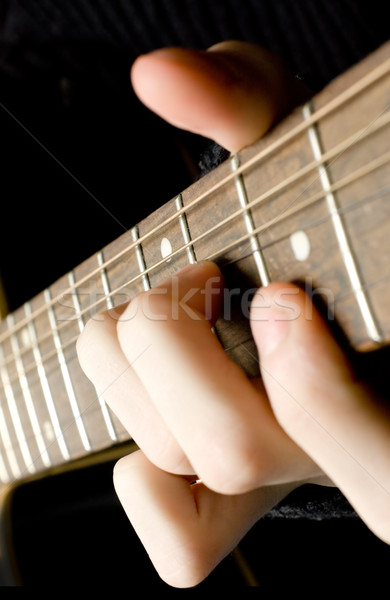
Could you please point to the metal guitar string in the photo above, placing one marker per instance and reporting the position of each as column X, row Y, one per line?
column 379, row 72
column 379, row 123
column 289, row 212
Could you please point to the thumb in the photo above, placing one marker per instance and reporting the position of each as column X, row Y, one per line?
column 232, row 93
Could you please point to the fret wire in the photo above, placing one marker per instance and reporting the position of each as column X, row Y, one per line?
column 384, row 159
column 31, row 436
column 75, row 300
column 291, row 211
column 28, row 398
column 103, row 276
column 185, row 230
column 8, row 449
column 141, row 259
column 103, row 406
column 347, row 180
column 88, row 276
column 326, row 218
column 4, row 477
column 245, row 237
column 249, row 224
column 298, row 130
column 65, row 375
column 263, row 227
column 341, row 235
column 59, row 436
column 16, row 422
column 380, row 122
column 364, row 83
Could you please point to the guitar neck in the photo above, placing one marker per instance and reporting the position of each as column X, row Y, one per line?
column 308, row 203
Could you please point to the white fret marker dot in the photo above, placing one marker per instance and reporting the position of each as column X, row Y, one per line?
column 166, row 247
column 300, row 245
column 25, row 338
column 49, row 431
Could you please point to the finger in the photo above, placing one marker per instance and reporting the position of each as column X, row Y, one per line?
column 320, row 404
column 105, row 364
column 232, row 93
column 186, row 528
column 221, row 421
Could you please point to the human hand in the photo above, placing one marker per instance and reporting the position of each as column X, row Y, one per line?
column 247, row 442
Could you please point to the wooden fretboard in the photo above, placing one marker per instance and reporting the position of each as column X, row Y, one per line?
column 309, row 203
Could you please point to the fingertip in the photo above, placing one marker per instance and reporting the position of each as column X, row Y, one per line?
column 179, row 85
column 273, row 309
column 292, row 335
column 203, row 269
column 233, row 93
column 201, row 284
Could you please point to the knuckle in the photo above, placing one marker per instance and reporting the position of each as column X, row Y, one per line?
column 237, row 468
column 166, row 454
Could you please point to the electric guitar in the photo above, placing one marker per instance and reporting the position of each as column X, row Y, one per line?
column 308, row 203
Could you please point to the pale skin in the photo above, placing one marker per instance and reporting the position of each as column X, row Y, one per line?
column 193, row 412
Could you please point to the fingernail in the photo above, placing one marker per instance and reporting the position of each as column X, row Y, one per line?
column 271, row 320
column 272, row 335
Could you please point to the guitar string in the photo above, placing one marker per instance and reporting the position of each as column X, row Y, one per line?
column 314, row 118
column 291, row 211
column 92, row 408
column 95, row 408
column 348, row 180
column 236, row 242
column 379, row 124
column 361, row 85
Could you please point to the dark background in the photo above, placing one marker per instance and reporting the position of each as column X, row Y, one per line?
column 69, row 115
column 81, row 162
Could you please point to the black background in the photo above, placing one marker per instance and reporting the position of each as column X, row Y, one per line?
column 82, row 161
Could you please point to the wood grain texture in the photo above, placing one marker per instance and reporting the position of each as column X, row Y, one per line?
column 281, row 180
